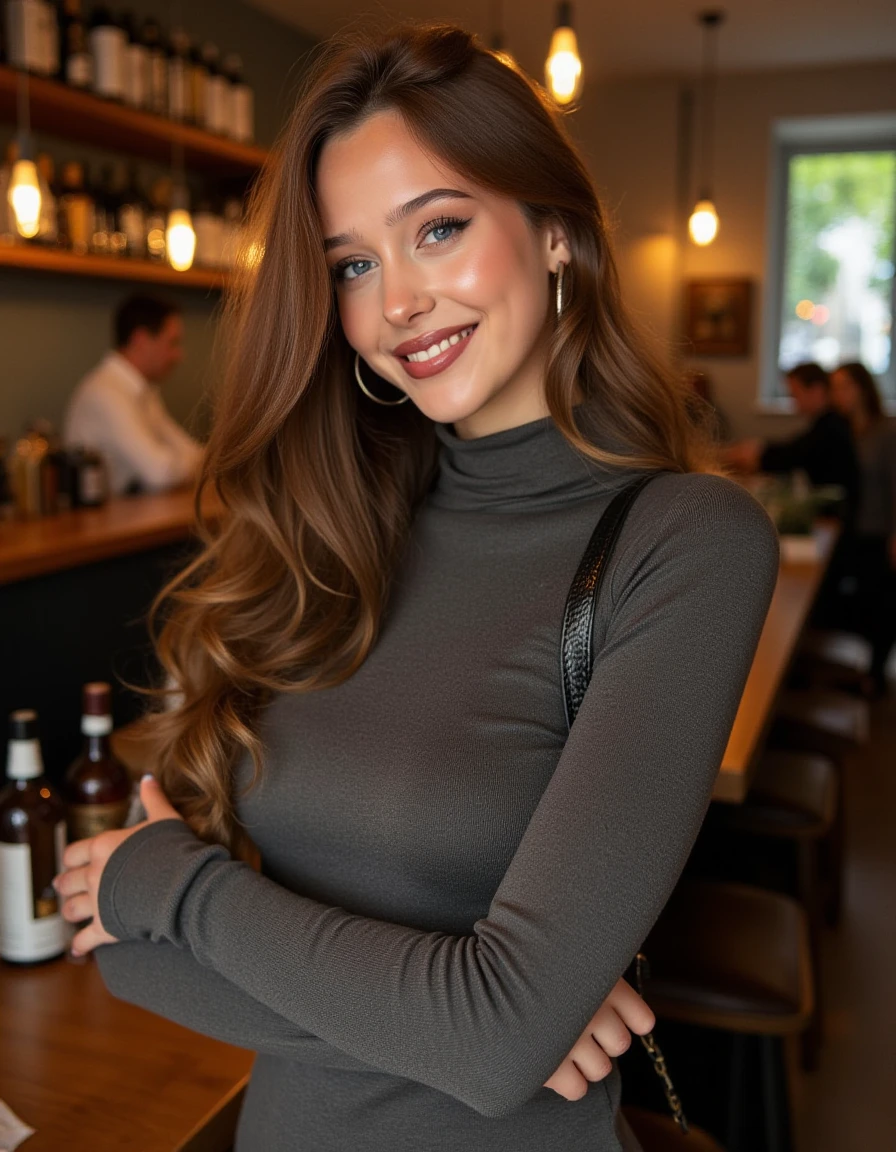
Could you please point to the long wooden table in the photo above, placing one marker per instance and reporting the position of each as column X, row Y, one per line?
column 125, row 525
column 794, row 595
column 92, row 1074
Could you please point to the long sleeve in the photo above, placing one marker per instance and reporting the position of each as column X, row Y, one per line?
column 172, row 983
column 487, row 1016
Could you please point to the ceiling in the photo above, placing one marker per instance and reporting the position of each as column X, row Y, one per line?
column 642, row 36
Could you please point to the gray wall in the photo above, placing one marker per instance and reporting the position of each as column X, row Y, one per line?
column 54, row 328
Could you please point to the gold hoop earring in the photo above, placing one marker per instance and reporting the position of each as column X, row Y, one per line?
column 561, row 268
column 366, row 390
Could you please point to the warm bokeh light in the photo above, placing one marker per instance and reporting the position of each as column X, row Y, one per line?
column 180, row 239
column 804, row 309
column 563, row 67
column 704, row 223
column 24, row 197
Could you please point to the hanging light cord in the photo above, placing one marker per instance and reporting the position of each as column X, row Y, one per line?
column 23, row 110
column 710, row 22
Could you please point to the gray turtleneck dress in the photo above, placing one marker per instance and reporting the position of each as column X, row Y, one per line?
column 452, row 883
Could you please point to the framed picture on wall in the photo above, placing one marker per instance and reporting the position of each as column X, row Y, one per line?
column 717, row 316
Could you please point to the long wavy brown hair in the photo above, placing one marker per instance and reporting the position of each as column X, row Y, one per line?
column 319, row 485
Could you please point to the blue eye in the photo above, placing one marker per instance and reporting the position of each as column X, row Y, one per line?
column 353, row 269
column 442, row 230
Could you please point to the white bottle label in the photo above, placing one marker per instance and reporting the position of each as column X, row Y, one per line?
column 31, row 924
column 108, row 45
column 243, row 110
column 158, row 83
column 136, row 76
column 177, row 89
column 25, row 39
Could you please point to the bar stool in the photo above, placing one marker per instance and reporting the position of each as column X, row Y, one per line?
column 793, row 798
column 835, row 725
column 834, row 658
column 737, row 958
column 657, row 1133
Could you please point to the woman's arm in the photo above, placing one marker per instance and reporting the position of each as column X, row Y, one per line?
column 487, row 1017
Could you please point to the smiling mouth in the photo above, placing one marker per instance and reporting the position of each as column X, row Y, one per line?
column 437, row 349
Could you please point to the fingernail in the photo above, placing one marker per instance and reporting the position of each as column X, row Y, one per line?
column 147, row 776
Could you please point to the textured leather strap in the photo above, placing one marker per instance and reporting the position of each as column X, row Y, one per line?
column 578, row 619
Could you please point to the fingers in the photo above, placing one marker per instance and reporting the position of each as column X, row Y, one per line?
column 77, row 908
column 568, row 1081
column 71, row 882
column 154, row 800
column 77, row 854
column 630, row 1008
column 610, row 1032
column 591, row 1060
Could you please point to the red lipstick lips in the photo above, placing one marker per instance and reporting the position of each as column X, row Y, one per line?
column 428, row 362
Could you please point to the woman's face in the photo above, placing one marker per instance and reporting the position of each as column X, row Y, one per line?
column 845, row 394
column 423, row 258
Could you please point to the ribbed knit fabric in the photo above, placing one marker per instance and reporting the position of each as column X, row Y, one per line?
column 451, row 885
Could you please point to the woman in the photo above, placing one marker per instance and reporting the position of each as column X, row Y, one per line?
column 433, row 397
column 854, row 394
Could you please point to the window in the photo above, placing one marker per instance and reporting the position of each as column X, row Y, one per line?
column 833, row 250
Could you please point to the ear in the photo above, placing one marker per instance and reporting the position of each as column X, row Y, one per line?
column 556, row 245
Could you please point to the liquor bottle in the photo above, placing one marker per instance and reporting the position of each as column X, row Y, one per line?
column 50, row 37
column 77, row 63
column 241, row 119
column 107, row 46
column 132, row 209
column 136, row 65
column 197, row 74
column 112, row 187
column 48, row 229
column 209, row 228
column 101, row 237
column 77, row 209
column 178, row 65
column 152, row 39
column 90, row 478
column 97, row 786
column 32, row 840
column 217, row 91
column 25, row 39
column 156, row 222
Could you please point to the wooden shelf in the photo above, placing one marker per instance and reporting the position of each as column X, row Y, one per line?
column 81, row 116
column 37, row 259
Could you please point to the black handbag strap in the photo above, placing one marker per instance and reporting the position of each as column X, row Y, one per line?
column 576, row 662
column 578, row 619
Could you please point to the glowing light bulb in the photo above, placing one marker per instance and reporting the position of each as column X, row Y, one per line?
column 563, row 67
column 704, row 223
column 180, row 239
column 24, row 197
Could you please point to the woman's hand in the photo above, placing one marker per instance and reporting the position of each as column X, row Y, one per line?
column 84, row 862
column 609, row 1033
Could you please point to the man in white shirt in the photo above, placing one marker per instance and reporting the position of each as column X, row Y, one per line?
column 117, row 408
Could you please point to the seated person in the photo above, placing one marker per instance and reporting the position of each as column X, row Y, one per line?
column 117, row 408
column 826, row 451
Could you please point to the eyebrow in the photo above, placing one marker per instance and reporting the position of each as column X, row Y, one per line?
column 400, row 213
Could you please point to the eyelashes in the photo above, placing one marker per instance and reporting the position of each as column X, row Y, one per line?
column 352, row 268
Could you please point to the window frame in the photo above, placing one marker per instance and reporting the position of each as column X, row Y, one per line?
column 812, row 135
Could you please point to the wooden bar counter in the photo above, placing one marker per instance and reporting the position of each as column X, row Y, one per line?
column 126, row 525
column 92, row 1074
column 795, row 593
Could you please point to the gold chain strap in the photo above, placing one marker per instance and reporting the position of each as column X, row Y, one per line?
column 657, row 1059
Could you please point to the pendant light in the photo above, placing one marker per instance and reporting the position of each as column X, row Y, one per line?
column 24, row 184
column 704, row 222
column 563, row 67
column 180, row 236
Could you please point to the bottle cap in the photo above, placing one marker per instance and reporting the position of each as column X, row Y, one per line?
column 97, row 699
column 23, row 724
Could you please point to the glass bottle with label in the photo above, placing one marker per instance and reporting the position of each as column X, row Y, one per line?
column 132, row 210
column 108, row 43
column 217, row 91
column 152, row 39
column 77, row 63
column 136, row 66
column 97, row 786
column 198, row 77
column 179, row 106
column 32, row 840
column 241, row 120
column 48, row 230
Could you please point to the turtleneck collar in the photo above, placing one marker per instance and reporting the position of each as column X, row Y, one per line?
column 530, row 466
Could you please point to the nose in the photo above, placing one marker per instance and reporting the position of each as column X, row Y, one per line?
column 405, row 295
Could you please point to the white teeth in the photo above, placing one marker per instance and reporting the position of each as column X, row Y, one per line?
column 438, row 349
